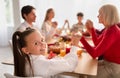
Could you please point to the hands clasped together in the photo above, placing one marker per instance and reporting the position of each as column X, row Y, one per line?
column 75, row 38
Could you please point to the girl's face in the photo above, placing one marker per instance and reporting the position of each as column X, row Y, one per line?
column 31, row 17
column 36, row 44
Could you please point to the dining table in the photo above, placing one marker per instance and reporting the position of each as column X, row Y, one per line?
column 86, row 64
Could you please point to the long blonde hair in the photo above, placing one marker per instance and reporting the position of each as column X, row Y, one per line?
column 110, row 14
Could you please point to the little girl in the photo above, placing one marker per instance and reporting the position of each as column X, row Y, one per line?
column 29, row 49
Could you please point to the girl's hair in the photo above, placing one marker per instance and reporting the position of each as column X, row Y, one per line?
column 48, row 11
column 20, row 58
column 110, row 14
column 26, row 10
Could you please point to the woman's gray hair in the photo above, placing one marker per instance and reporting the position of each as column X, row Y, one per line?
column 110, row 14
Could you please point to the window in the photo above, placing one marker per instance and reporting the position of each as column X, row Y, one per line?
column 9, row 12
column 6, row 21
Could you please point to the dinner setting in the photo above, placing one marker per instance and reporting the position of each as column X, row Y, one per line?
column 59, row 39
column 62, row 46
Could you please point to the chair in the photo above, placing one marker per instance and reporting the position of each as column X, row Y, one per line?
column 10, row 43
column 7, row 75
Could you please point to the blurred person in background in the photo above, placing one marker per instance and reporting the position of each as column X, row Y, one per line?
column 28, row 13
column 49, row 27
column 79, row 25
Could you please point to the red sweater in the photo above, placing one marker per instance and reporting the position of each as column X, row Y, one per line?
column 107, row 44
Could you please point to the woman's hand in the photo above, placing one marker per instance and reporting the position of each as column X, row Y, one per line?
column 89, row 25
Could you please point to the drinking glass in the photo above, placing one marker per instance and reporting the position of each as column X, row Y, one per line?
column 62, row 52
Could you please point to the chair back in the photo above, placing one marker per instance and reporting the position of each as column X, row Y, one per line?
column 10, row 43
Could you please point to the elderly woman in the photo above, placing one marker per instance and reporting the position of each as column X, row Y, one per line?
column 107, row 44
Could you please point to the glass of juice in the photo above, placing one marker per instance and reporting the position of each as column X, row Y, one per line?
column 79, row 52
column 62, row 52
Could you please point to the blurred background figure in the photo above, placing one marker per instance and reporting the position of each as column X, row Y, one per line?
column 28, row 13
column 79, row 26
column 49, row 27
